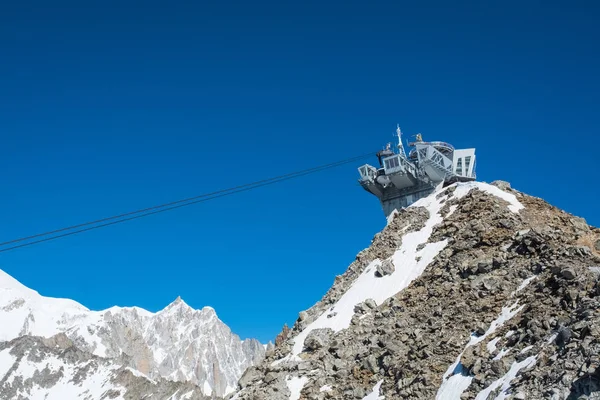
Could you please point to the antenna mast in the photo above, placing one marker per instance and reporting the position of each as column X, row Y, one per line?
column 400, row 146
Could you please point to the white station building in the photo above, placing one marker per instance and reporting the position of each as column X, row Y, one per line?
column 400, row 180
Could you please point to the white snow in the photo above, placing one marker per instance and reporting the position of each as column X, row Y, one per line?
column 526, row 349
column 188, row 395
column 524, row 284
column 452, row 209
column 391, row 217
column 137, row 373
column 504, row 382
column 6, row 362
column 325, row 388
column 24, row 311
column 501, row 354
column 374, row 395
column 295, row 385
column 206, row 389
column 491, row 346
column 453, row 386
column 595, row 270
column 506, row 314
column 229, row 390
column 94, row 385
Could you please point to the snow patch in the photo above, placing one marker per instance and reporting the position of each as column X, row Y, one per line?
column 526, row 349
column 491, row 346
column 391, row 217
column 295, row 385
column 374, row 395
column 137, row 373
column 524, row 284
column 501, row 354
column 463, row 188
column 206, row 389
column 6, row 362
column 453, row 208
column 453, row 386
column 325, row 388
column 504, row 382
column 506, row 314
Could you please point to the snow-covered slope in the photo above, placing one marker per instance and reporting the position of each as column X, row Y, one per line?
column 34, row 368
column 177, row 343
column 476, row 291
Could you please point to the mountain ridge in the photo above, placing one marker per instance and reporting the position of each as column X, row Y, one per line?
column 494, row 295
column 177, row 343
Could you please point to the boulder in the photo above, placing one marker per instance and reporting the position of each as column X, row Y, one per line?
column 385, row 268
column 501, row 184
column 318, row 339
column 568, row 273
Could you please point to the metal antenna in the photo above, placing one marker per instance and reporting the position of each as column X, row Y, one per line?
column 400, row 146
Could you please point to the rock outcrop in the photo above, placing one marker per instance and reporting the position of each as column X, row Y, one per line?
column 490, row 294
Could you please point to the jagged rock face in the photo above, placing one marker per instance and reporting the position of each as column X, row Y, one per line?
column 37, row 368
column 178, row 343
column 492, row 294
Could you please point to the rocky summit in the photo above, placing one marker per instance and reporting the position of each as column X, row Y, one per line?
column 475, row 292
column 58, row 349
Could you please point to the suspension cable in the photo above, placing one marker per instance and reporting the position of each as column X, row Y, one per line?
column 100, row 223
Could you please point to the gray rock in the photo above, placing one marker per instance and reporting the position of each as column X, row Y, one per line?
column 597, row 245
column 385, row 268
column 251, row 375
column 371, row 303
column 568, row 273
column 365, row 306
column 501, row 184
column 580, row 224
column 563, row 336
column 318, row 339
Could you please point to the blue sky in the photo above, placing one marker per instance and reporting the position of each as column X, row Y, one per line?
column 107, row 107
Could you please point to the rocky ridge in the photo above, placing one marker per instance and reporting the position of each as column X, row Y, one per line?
column 477, row 291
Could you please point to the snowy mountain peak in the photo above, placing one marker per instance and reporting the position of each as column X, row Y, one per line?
column 180, row 308
column 7, row 282
column 178, row 343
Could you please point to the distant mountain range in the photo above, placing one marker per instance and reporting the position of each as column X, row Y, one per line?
column 177, row 344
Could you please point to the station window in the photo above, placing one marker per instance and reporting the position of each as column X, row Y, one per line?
column 392, row 163
column 459, row 166
column 467, row 163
